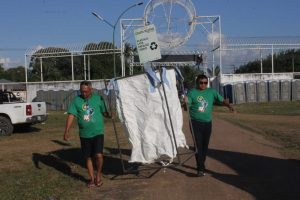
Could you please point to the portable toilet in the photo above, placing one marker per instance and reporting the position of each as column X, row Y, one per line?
column 296, row 90
column 239, row 93
column 40, row 95
column 285, row 90
column 274, row 90
column 60, row 99
column 228, row 92
column 52, row 99
column 262, row 91
column 251, row 94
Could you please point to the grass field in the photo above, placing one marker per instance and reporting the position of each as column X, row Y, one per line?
column 35, row 163
column 277, row 121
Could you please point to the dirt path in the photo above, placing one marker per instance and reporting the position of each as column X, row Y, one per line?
column 241, row 165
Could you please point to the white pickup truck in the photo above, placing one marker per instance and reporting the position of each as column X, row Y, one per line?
column 13, row 112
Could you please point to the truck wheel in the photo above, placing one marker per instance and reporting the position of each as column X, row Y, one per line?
column 6, row 128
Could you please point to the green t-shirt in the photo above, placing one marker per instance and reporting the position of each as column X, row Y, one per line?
column 89, row 115
column 201, row 102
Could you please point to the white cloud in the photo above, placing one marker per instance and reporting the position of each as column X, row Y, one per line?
column 36, row 48
column 214, row 38
column 9, row 62
column 4, row 61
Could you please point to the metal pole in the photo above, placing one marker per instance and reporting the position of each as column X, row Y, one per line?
column 190, row 123
column 293, row 62
column 213, row 53
column 26, row 78
column 114, row 52
column 114, row 29
column 169, row 114
column 41, row 66
column 122, row 50
column 89, row 68
column 113, row 114
column 84, row 66
column 272, row 59
column 220, row 39
column 261, row 62
column 72, row 64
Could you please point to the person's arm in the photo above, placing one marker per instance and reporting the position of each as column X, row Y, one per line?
column 68, row 126
column 228, row 105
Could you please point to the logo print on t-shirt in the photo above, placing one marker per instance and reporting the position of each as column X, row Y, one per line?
column 203, row 104
column 88, row 111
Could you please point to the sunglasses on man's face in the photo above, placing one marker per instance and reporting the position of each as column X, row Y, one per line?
column 201, row 82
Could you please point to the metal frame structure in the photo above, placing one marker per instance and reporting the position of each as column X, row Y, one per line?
column 211, row 26
column 85, row 50
column 260, row 44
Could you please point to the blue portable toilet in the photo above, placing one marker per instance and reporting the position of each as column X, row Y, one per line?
column 228, row 92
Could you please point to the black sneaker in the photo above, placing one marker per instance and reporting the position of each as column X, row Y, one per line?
column 200, row 173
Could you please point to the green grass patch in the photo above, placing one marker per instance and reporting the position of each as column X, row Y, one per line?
column 291, row 108
column 276, row 121
column 61, row 172
column 44, row 183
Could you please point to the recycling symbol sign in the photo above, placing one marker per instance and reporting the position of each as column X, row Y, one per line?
column 153, row 46
column 147, row 44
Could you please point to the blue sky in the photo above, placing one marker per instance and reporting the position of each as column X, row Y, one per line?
column 30, row 23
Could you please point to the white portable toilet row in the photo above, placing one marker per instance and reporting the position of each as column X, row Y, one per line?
column 262, row 91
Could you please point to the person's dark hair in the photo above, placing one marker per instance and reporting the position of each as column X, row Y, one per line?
column 86, row 83
column 201, row 76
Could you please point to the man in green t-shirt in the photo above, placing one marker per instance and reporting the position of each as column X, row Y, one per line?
column 88, row 108
column 200, row 101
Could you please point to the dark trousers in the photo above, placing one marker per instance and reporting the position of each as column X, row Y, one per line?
column 202, row 132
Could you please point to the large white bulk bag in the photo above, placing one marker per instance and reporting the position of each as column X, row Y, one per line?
column 146, row 120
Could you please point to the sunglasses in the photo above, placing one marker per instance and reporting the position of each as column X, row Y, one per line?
column 201, row 83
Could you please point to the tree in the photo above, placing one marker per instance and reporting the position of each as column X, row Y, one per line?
column 189, row 74
column 2, row 71
column 129, row 52
column 16, row 74
column 284, row 61
column 102, row 64
column 54, row 66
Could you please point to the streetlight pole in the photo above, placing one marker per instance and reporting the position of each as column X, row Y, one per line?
column 113, row 26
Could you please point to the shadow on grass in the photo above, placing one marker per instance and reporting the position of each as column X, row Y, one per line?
column 140, row 170
column 113, row 165
column 23, row 129
column 61, row 160
column 57, row 160
column 120, row 166
column 62, row 143
column 263, row 177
